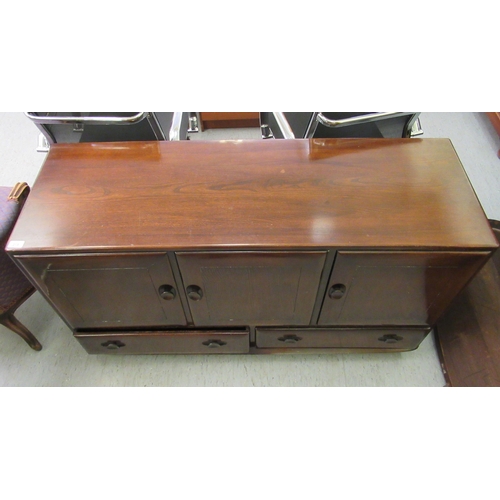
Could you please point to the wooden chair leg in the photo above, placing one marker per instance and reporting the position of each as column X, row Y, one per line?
column 12, row 323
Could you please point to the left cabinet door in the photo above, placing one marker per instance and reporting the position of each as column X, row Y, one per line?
column 109, row 290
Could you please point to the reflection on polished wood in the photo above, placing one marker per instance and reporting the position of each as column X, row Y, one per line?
column 257, row 194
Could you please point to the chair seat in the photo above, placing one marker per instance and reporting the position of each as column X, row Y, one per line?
column 15, row 288
column 13, row 283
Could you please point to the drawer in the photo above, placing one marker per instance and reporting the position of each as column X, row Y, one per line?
column 348, row 338
column 166, row 342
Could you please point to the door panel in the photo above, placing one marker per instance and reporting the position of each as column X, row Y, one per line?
column 240, row 288
column 112, row 290
column 395, row 288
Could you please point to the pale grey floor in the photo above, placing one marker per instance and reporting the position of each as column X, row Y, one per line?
column 62, row 362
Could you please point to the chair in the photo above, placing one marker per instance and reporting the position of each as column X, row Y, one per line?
column 72, row 127
column 14, row 286
column 306, row 125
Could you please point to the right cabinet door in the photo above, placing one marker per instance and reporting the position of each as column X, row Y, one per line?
column 395, row 288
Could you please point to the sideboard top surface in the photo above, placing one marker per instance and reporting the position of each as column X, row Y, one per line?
column 252, row 195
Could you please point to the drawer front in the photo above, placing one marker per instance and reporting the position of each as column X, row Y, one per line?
column 165, row 342
column 348, row 338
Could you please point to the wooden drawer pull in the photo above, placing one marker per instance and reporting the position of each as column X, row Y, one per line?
column 194, row 292
column 214, row 343
column 113, row 344
column 390, row 338
column 337, row 291
column 167, row 292
column 290, row 339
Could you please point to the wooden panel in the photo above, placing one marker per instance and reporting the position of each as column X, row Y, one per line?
column 241, row 288
column 349, row 338
column 109, row 290
column 229, row 119
column 468, row 334
column 495, row 121
column 395, row 288
column 275, row 194
column 187, row 342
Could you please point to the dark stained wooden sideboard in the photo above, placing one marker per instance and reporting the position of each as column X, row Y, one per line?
column 272, row 246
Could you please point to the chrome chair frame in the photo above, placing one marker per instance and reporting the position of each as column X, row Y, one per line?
column 412, row 127
column 42, row 122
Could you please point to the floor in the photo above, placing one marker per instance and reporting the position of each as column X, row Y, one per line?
column 63, row 362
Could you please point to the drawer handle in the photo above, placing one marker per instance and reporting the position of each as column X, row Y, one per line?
column 167, row 292
column 214, row 343
column 390, row 338
column 113, row 344
column 194, row 292
column 290, row 339
column 337, row 291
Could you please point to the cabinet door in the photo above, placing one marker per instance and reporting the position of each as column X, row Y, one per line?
column 109, row 290
column 241, row 288
column 395, row 288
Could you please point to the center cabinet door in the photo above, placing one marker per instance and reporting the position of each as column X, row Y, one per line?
column 110, row 290
column 241, row 288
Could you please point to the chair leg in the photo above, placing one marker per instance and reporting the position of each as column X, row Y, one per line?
column 12, row 323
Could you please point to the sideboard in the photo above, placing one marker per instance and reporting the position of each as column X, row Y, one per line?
column 258, row 247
